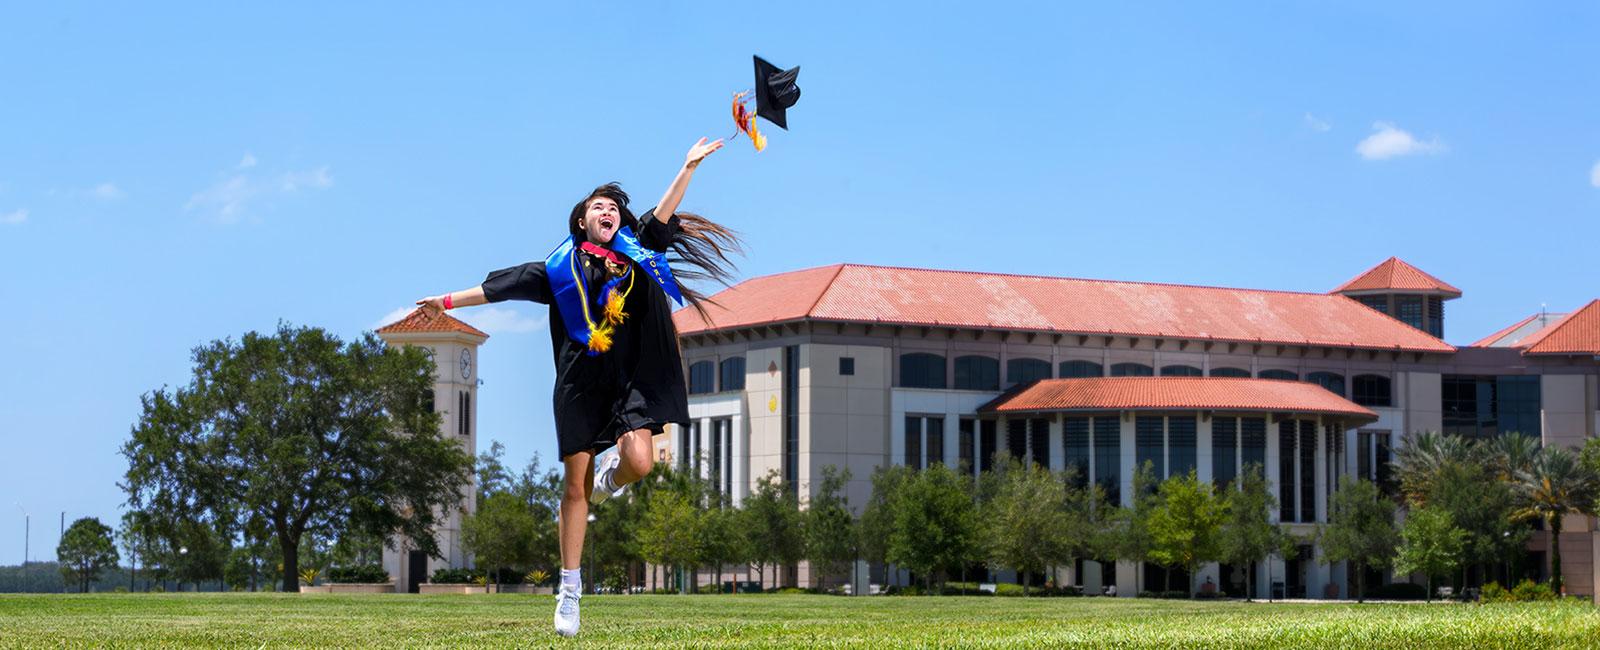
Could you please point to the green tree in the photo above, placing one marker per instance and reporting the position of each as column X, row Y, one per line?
column 1026, row 524
column 722, row 538
column 1128, row 538
column 1431, row 544
column 1554, row 485
column 935, row 523
column 1360, row 527
column 775, row 525
column 1248, row 534
column 1482, row 505
column 86, row 550
column 670, row 532
column 1186, row 525
column 1419, row 461
column 500, row 535
column 829, row 526
column 304, row 431
column 877, row 517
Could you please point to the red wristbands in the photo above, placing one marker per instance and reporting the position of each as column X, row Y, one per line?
column 447, row 303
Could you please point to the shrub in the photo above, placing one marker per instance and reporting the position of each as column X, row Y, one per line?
column 444, row 576
column 1170, row 595
column 1494, row 593
column 536, row 577
column 1528, row 590
column 1214, row 595
column 359, row 574
column 1397, row 591
column 793, row 590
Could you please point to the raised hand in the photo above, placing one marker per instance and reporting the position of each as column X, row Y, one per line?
column 700, row 150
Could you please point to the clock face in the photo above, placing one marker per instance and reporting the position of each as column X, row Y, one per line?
column 466, row 364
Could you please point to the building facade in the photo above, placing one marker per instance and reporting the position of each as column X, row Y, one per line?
column 859, row 367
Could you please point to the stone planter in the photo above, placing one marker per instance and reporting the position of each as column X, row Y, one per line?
column 314, row 589
column 445, row 588
column 361, row 588
column 526, row 589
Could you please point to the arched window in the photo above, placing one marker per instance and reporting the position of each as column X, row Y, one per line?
column 1371, row 390
column 1332, row 381
column 1180, row 371
column 1230, row 372
column 1019, row 371
column 922, row 370
column 730, row 374
column 1279, row 374
column 702, row 377
column 1131, row 370
column 1080, row 369
column 974, row 372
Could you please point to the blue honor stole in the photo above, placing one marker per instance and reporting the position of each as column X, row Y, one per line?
column 569, row 288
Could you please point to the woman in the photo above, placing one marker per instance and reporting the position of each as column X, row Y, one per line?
column 619, row 378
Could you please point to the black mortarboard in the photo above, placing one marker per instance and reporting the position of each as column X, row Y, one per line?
column 775, row 91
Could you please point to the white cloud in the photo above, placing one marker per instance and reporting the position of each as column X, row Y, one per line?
column 229, row 198
column 107, row 192
column 1389, row 141
column 1594, row 175
column 496, row 320
column 14, row 217
column 1317, row 124
column 393, row 316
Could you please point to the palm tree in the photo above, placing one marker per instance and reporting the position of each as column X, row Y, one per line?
column 1555, row 484
column 1509, row 454
column 1418, row 462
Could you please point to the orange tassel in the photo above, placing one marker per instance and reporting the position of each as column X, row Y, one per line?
column 600, row 338
column 613, row 310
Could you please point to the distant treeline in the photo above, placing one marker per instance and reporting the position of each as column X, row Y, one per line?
column 45, row 577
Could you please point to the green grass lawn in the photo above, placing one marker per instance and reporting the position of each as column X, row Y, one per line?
column 287, row 620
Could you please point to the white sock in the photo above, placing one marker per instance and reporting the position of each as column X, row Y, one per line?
column 570, row 578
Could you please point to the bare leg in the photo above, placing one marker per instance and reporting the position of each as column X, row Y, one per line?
column 635, row 447
column 574, row 521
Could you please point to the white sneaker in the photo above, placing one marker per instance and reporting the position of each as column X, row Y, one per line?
column 567, row 611
column 608, row 468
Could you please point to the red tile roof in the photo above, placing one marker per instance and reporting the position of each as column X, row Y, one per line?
column 927, row 297
column 1490, row 340
column 1578, row 333
column 420, row 321
column 1175, row 393
column 1395, row 274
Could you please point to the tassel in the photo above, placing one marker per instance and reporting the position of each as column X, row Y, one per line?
column 599, row 339
column 613, row 309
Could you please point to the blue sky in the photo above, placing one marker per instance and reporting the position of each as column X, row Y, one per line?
column 174, row 175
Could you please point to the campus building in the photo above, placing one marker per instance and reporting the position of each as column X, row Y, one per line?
column 861, row 366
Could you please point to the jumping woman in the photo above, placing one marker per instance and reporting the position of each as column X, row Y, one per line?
column 619, row 377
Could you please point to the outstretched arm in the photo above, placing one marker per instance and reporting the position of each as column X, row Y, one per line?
column 674, row 195
column 463, row 298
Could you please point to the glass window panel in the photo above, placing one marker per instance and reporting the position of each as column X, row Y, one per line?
column 934, row 427
column 922, row 370
column 1180, row 371
column 702, row 378
column 1131, row 370
column 1148, row 444
column 1253, row 445
column 1181, row 452
column 1080, row 369
column 1017, row 438
column 913, row 442
column 1276, row 373
column 1332, row 381
column 1230, row 372
column 1409, row 310
column 1370, row 390
column 975, row 372
column 1075, row 447
column 1286, row 459
column 966, row 446
column 1024, row 370
column 1224, row 445
column 1108, row 457
column 731, row 373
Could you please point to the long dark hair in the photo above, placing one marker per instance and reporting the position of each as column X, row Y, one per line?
column 698, row 253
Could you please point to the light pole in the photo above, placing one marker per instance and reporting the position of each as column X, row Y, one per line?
column 27, row 526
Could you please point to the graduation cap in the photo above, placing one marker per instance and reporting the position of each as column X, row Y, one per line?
column 775, row 91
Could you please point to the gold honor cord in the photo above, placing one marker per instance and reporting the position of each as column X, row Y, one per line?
column 600, row 333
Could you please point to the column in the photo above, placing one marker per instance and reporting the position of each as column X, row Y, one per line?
column 1129, row 454
column 1058, row 443
column 1273, row 460
column 1321, row 473
column 1203, row 449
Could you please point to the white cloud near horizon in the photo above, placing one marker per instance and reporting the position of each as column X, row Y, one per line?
column 1389, row 141
column 493, row 320
column 1594, row 174
column 14, row 217
column 107, row 192
column 1317, row 124
column 228, row 199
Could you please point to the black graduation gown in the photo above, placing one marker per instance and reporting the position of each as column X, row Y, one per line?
column 639, row 383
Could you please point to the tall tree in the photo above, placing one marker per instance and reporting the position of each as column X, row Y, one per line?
column 1431, row 544
column 1129, row 538
column 1419, row 461
column 1555, row 485
column 776, row 528
column 829, row 526
column 935, row 523
column 1248, row 534
column 501, row 535
column 723, row 540
column 309, row 433
column 1026, row 524
column 877, row 517
column 1186, row 525
column 1360, row 527
column 86, row 550
column 1482, row 505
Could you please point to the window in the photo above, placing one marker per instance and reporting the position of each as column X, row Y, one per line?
column 702, row 378
column 464, row 423
column 1332, row 381
column 1253, row 445
column 731, row 374
column 1308, row 470
column 913, row 442
column 1286, row 456
column 1108, row 457
column 1380, row 303
column 988, row 443
column 1075, row 445
column 1230, row 372
column 1370, row 390
column 427, row 401
column 1386, row 483
column 1180, row 445
column 1409, row 310
column 966, row 445
column 1224, row 444
column 1489, row 406
column 1436, row 316
column 1080, row 369
column 1017, row 438
column 933, row 430
column 1149, row 445
column 922, row 370
column 1275, row 373
column 975, row 372
column 847, row 366
column 1131, row 370
column 1181, row 371
column 1022, row 371
column 791, row 419
column 1039, row 442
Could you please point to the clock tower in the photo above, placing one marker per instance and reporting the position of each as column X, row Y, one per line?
column 453, row 345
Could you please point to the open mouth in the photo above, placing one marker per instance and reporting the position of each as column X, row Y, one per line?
column 607, row 224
